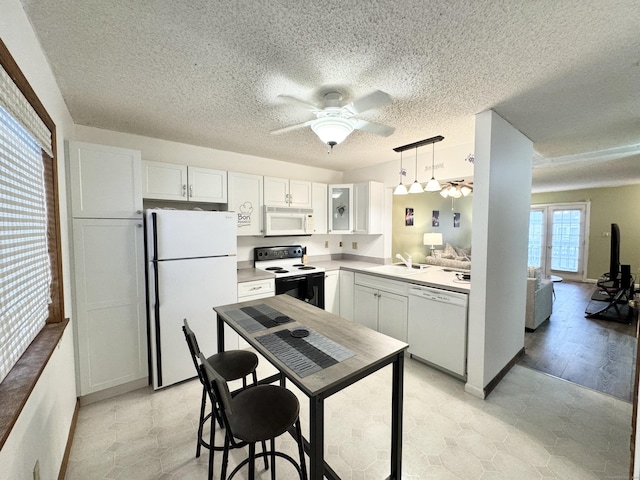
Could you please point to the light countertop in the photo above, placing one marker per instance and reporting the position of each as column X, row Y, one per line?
column 430, row 275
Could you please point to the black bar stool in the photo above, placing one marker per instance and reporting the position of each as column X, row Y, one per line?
column 254, row 415
column 232, row 365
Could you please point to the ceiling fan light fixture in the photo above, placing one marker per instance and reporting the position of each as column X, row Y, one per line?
column 444, row 192
column 465, row 190
column 332, row 130
column 454, row 192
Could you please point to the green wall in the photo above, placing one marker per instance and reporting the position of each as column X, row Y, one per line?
column 608, row 205
column 409, row 238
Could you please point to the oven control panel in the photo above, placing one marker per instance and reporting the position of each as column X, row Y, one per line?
column 276, row 253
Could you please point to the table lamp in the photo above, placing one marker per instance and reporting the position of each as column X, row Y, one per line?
column 432, row 239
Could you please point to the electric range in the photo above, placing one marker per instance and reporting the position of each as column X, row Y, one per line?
column 292, row 276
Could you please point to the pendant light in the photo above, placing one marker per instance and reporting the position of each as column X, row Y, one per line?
column 432, row 185
column 415, row 186
column 400, row 189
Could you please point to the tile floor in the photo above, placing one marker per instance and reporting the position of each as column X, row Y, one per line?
column 533, row 426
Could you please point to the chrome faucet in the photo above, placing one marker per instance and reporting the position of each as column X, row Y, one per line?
column 407, row 262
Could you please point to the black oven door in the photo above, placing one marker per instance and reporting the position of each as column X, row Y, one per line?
column 308, row 288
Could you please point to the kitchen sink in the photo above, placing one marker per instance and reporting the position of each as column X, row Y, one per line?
column 395, row 269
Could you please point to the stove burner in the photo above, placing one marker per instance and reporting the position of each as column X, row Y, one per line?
column 273, row 268
column 298, row 265
column 280, row 270
column 307, row 268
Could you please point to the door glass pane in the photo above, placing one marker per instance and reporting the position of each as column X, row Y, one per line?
column 536, row 230
column 565, row 241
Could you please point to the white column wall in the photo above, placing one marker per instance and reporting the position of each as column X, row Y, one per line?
column 500, row 226
column 41, row 430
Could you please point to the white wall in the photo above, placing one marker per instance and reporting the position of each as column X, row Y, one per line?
column 181, row 153
column 500, row 226
column 449, row 164
column 42, row 428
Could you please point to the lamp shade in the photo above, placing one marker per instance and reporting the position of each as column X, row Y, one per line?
column 400, row 190
column 432, row 186
column 432, row 238
column 332, row 130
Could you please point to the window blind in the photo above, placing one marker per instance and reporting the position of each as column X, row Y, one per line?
column 25, row 271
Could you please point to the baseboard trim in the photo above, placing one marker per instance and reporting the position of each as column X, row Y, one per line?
column 67, row 449
column 494, row 383
column 114, row 391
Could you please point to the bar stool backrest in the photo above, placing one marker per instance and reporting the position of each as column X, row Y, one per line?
column 192, row 342
column 214, row 380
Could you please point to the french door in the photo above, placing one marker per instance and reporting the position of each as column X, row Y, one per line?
column 557, row 239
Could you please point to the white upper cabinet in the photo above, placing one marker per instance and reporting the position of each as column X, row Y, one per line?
column 105, row 181
column 356, row 208
column 246, row 199
column 319, row 205
column 282, row 192
column 167, row 181
column 368, row 210
column 207, row 185
column 340, row 208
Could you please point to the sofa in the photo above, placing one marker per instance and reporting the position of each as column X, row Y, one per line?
column 451, row 257
column 539, row 299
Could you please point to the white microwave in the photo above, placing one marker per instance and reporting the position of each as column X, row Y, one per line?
column 280, row 221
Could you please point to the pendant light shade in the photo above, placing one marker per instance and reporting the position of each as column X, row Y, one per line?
column 415, row 186
column 433, row 185
column 400, row 189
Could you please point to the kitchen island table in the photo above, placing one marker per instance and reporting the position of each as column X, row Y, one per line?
column 335, row 354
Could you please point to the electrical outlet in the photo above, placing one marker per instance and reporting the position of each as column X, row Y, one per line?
column 340, row 243
column 326, row 244
column 354, row 245
column 36, row 470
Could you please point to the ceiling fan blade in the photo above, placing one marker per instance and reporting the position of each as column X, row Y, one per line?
column 290, row 128
column 373, row 100
column 308, row 105
column 375, row 128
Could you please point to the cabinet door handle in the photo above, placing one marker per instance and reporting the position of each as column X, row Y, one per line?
column 191, row 190
column 139, row 225
column 139, row 212
column 184, row 189
column 255, row 288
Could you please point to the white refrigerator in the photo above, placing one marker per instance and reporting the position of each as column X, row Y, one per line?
column 192, row 267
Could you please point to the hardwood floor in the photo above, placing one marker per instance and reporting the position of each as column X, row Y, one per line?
column 594, row 353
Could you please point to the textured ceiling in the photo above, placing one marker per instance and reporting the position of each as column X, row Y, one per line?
column 565, row 73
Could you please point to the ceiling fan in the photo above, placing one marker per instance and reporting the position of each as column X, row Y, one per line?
column 334, row 122
column 456, row 189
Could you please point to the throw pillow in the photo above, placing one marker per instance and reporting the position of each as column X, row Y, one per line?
column 449, row 251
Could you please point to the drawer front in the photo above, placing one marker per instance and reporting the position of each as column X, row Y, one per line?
column 257, row 287
column 380, row 283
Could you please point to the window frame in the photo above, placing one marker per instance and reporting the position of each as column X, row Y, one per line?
column 17, row 386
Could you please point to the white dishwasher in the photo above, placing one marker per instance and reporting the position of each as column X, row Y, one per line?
column 437, row 329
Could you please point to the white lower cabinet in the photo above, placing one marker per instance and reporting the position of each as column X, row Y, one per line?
column 381, row 305
column 253, row 290
column 110, row 302
column 332, row 292
column 346, row 285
